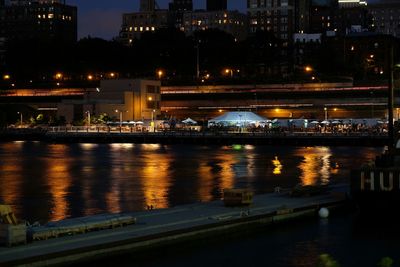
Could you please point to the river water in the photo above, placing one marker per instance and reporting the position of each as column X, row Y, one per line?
column 45, row 182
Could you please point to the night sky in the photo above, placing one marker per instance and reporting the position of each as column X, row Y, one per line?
column 102, row 18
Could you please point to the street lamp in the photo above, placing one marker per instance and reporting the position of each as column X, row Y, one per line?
column 88, row 118
column 308, row 69
column 160, row 73
column 20, row 114
column 198, row 59
column 152, row 116
column 120, row 117
column 326, row 113
column 229, row 71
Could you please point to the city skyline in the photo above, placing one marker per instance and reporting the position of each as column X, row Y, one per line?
column 103, row 18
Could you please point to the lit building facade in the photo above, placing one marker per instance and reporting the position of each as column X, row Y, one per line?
column 176, row 10
column 283, row 18
column 135, row 24
column 38, row 20
column 133, row 100
column 323, row 16
column 136, row 99
column 354, row 19
column 232, row 22
column 386, row 17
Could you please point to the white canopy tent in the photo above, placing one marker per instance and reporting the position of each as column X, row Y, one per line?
column 237, row 118
column 189, row 121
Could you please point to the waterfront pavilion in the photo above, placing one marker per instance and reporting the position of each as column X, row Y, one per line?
column 238, row 118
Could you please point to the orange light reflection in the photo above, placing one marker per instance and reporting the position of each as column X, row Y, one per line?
column 59, row 181
column 315, row 166
column 155, row 179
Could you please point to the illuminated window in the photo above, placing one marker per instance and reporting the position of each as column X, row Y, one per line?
column 130, row 29
column 153, row 29
column 147, row 28
column 135, row 29
column 141, row 29
column 51, row 15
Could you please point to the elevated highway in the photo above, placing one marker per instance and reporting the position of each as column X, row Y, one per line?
column 313, row 100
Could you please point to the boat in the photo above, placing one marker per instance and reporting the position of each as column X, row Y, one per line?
column 375, row 186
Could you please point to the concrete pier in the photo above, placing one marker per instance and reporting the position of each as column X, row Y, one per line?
column 165, row 226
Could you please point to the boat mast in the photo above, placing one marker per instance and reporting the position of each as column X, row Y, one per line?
column 391, row 96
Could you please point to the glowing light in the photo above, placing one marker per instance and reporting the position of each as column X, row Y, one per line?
column 277, row 166
column 87, row 146
column 308, row 69
column 160, row 73
column 237, row 147
column 6, row 77
column 90, row 77
column 59, row 75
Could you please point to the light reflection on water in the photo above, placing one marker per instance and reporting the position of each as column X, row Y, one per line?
column 315, row 166
column 52, row 182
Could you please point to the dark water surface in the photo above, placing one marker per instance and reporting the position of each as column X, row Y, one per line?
column 349, row 241
column 45, row 182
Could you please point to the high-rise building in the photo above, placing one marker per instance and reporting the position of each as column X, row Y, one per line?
column 217, row 5
column 136, row 23
column 323, row 16
column 181, row 5
column 386, row 17
column 38, row 20
column 147, row 5
column 232, row 22
column 302, row 15
column 273, row 16
column 176, row 10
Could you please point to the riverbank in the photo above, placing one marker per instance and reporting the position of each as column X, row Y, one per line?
column 200, row 138
column 171, row 226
